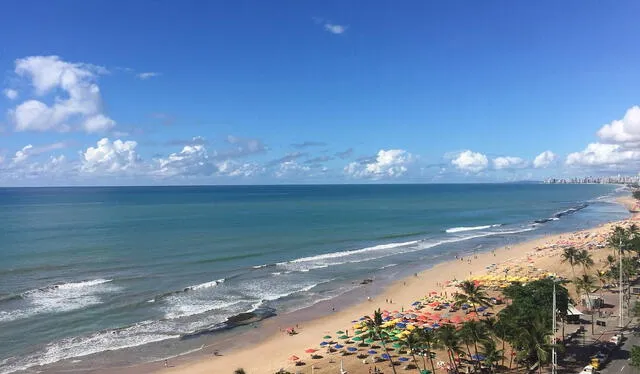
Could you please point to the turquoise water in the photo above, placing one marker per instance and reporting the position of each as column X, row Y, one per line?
column 84, row 270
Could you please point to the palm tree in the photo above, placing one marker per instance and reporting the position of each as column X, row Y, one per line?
column 491, row 353
column 448, row 336
column 473, row 332
column 429, row 340
column 570, row 255
column 584, row 259
column 239, row 371
column 534, row 342
column 498, row 328
column 585, row 283
column 472, row 294
column 412, row 342
column 375, row 325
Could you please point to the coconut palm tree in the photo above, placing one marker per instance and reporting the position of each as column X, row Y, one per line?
column 429, row 340
column 586, row 285
column 570, row 255
column 499, row 328
column 412, row 342
column 533, row 341
column 448, row 337
column 473, row 332
column 584, row 258
column 492, row 354
column 375, row 325
column 472, row 294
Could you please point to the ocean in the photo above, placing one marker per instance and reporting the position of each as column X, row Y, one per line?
column 85, row 271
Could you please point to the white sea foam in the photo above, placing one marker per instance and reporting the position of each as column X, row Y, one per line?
column 470, row 228
column 353, row 252
column 59, row 298
column 207, row 284
column 136, row 335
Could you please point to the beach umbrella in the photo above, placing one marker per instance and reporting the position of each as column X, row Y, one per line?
column 403, row 359
column 358, row 332
column 323, row 344
column 371, row 352
column 338, row 346
column 343, row 337
column 385, row 356
column 477, row 357
column 352, row 349
column 401, row 325
column 294, row 358
column 340, row 332
column 416, row 303
column 435, row 325
column 326, row 337
column 357, row 339
column 310, row 350
column 369, row 341
column 396, row 345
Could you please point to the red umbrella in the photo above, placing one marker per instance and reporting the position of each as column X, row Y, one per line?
column 294, row 358
column 310, row 350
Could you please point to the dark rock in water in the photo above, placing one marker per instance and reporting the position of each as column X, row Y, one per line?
column 367, row 281
column 240, row 319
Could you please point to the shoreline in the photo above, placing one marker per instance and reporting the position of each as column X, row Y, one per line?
column 268, row 348
column 269, row 353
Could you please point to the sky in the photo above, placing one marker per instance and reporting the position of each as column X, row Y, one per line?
column 268, row 92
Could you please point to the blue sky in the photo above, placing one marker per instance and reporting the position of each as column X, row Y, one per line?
column 161, row 92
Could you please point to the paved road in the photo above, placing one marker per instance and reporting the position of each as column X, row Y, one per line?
column 619, row 359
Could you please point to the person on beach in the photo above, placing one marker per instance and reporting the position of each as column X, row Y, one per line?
column 166, row 363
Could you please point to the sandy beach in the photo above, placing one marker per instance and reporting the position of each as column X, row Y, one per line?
column 272, row 350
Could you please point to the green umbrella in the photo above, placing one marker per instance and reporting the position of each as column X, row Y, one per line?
column 357, row 339
column 396, row 345
column 340, row 332
column 343, row 337
column 326, row 337
column 369, row 341
column 358, row 332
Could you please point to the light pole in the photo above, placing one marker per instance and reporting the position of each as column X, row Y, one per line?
column 621, row 296
column 554, row 357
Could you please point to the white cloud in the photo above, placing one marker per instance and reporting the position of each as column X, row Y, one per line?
column 335, row 29
column 147, row 75
column 387, row 164
column 192, row 160
column 603, row 155
column 81, row 109
column 22, row 155
column 110, row 157
column 544, row 159
column 470, row 161
column 233, row 168
column 508, row 162
column 10, row 94
column 625, row 130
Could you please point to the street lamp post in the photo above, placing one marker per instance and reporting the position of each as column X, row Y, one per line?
column 554, row 357
column 621, row 296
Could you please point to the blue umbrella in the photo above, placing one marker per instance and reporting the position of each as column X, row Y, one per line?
column 338, row 346
column 403, row 359
column 385, row 356
column 477, row 357
column 435, row 325
column 371, row 352
column 323, row 344
column 401, row 325
column 428, row 328
column 352, row 349
column 416, row 303
column 362, row 318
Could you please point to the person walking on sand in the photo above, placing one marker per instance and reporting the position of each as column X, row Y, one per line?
column 166, row 363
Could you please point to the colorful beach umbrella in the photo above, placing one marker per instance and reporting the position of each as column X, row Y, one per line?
column 357, row 339
column 323, row 344
column 338, row 346
column 310, row 350
column 340, row 332
column 403, row 359
column 294, row 358
column 369, row 341
column 385, row 356
column 371, row 352
column 343, row 337
column 352, row 349
column 326, row 337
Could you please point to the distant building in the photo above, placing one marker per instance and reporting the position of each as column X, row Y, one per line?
column 619, row 179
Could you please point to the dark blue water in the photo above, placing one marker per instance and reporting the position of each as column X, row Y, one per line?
column 84, row 270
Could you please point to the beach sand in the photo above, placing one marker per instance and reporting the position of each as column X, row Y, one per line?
column 272, row 350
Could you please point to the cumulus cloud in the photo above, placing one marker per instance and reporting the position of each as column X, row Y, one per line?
column 147, row 75
column 234, row 168
column 544, row 159
column 286, row 158
column 625, row 130
column 603, row 155
column 10, row 93
column 241, row 147
column 470, row 161
column 29, row 150
column 80, row 109
column 387, row 164
column 335, row 28
column 22, row 155
column 508, row 162
column 192, row 160
column 110, row 157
